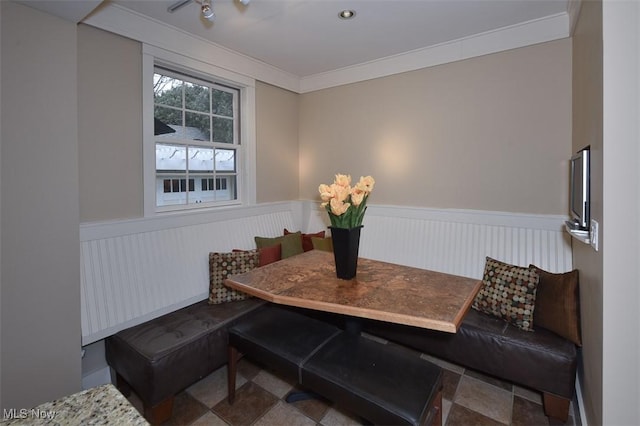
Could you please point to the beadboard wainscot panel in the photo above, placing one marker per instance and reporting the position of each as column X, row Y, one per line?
column 135, row 270
column 457, row 241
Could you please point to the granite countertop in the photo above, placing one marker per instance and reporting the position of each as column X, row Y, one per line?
column 380, row 290
column 96, row 406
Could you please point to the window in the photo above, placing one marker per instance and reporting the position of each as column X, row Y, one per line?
column 177, row 185
column 207, row 184
column 199, row 127
column 221, row 184
column 196, row 134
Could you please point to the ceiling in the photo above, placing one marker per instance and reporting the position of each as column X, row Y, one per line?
column 306, row 37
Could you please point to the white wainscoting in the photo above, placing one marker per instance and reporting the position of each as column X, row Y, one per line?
column 458, row 241
column 135, row 270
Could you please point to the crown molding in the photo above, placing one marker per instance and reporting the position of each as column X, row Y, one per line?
column 550, row 28
column 122, row 21
column 573, row 10
column 133, row 25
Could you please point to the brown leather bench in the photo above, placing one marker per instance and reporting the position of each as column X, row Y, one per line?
column 539, row 360
column 161, row 357
column 384, row 384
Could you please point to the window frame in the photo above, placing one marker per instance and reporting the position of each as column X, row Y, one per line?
column 245, row 149
column 195, row 145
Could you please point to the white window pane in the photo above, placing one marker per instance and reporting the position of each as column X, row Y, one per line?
column 204, row 192
column 167, row 90
column 169, row 190
column 225, row 188
column 195, row 121
column 196, row 97
column 225, row 160
column 170, row 158
column 197, row 126
column 222, row 130
column 222, row 103
column 200, row 160
column 167, row 115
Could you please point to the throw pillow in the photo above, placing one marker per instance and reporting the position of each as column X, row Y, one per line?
column 221, row 265
column 325, row 244
column 267, row 255
column 307, row 244
column 270, row 254
column 558, row 304
column 508, row 292
column 291, row 244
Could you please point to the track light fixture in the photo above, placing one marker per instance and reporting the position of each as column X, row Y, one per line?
column 206, row 7
column 207, row 10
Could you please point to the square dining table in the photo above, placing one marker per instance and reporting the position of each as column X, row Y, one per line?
column 380, row 290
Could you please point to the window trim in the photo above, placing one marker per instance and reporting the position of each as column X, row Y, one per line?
column 152, row 57
column 193, row 145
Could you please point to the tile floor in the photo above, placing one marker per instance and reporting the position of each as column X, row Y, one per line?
column 469, row 398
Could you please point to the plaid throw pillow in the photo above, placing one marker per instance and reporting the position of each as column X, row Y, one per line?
column 508, row 292
column 221, row 265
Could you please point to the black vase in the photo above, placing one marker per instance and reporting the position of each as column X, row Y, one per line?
column 346, row 242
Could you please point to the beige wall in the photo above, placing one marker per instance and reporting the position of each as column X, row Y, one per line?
column 277, row 143
column 110, row 131
column 109, row 125
column 1, row 400
column 606, row 101
column 40, row 293
column 489, row 133
column 620, row 235
column 587, row 130
column 472, row 134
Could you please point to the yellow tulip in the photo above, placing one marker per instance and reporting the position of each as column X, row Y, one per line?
column 338, row 197
column 341, row 193
column 338, row 207
column 326, row 192
column 356, row 197
column 367, row 182
column 343, row 180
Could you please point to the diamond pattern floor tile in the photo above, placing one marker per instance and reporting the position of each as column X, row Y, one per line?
column 469, row 398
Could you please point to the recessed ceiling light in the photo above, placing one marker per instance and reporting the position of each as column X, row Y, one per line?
column 347, row 14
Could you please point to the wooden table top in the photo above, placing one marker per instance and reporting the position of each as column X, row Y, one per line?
column 381, row 291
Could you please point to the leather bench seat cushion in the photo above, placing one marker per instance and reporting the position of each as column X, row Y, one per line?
column 164, row 355
column 280, row 337
column 540, row 359
column 384, row 383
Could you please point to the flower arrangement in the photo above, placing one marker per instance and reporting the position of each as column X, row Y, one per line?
column 346, row 204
